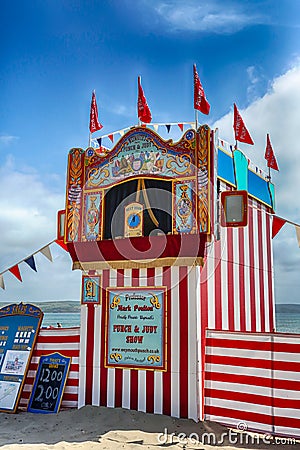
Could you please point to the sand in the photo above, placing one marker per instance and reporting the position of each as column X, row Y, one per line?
column 106, row 428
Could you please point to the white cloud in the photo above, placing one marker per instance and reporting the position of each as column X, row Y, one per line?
column 6, row 139
column 28, row 222
column 207, row 16
column 277, row 113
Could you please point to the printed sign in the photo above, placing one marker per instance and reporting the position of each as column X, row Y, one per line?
column 133, row 220
column 49, row 383
column 90, row 289
column 136, row 327
column 19, row 328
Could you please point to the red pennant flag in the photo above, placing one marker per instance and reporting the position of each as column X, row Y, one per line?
column 111, row 137
column 144, row 113
column 200, row 101
column 181, row 126
column 95, row 125
column 277, row 225
column 240, row 130
column 270, row 155
column 16, row 272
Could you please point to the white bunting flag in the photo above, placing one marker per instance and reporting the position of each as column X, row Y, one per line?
column 297, row 228
column 46, row 252
column 2, row 282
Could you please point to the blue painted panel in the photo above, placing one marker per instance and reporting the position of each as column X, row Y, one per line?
column 225, row 167
column 257, row 186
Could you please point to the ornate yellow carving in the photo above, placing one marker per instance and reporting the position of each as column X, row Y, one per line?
column 115, row 356
column 182, row 162
column 115, row 301
column 96, row 176
column 154, row 301
column 153, row 358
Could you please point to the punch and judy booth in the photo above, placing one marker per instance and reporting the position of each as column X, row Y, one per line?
column 142, row 222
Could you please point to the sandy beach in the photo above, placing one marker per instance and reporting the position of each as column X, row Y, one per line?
column 105, row 428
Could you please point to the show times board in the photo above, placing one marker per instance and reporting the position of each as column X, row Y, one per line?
column 49, row 383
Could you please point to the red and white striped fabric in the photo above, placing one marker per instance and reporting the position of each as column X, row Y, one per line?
column 233, row 291
column 173, row 392
column 253, row 379
column 237, row 280
column 65, row 341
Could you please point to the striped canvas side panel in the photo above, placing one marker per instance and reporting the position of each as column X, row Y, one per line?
column 65, row 341
column 254, row 379
column 237, row 279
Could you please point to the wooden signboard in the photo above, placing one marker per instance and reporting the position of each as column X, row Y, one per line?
column 49, row 384
column 19, row 328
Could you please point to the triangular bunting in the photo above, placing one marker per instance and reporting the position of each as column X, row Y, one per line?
column 31, row 262
column 99, row 140
column 277, row 225
column 111, row 137
column 121, row 133
column 16, row 272
column 155, row 127
column 168, row 127
column 2, row 282
column 62, row 245
column 47, row 253
column 297, row 228
column 181, row 126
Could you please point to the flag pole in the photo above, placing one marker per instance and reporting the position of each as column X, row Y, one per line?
column 139, row 83
column 196, row 119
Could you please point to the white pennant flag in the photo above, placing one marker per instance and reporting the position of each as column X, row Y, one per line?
column 2, row 282
column 46, row 252
column 121, row 132
column 155, row 126
column 297, row 228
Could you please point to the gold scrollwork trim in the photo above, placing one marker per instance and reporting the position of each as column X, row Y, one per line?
column 116, row 300
column 153, row 358
column 115, row 356
column 161, row 262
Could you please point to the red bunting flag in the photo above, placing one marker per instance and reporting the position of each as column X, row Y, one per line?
column 144, row 113
column 240, row 130
column 270, row 155
column 200, row 101
column 95, row 125
column 16, row 272
column 181, row 126
column 111, row 137
column 277, row 224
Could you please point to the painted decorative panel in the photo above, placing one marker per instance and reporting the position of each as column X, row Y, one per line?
column 90, row 289
column 92, row 215
column 141, row 153
column 74, row 194
column 184, row 212
column 204, row 186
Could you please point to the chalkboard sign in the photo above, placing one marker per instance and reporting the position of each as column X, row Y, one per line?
column 49, row 383
column 19, row 328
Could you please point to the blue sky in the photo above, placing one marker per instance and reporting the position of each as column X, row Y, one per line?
column 54, row 53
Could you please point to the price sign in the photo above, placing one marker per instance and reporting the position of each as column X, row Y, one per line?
column 19, row 328
column 49, row 383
